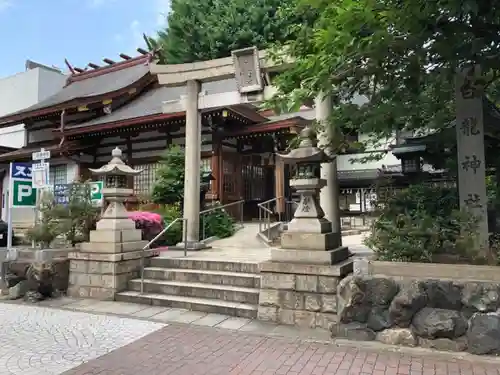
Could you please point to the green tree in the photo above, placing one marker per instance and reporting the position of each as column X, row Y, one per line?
column 169, row 185
column 401, row 55
column 207, row 29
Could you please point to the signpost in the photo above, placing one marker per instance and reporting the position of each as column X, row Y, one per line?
column 25, row 181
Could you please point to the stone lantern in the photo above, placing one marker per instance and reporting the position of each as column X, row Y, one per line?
column 115, row 191
column 309, row 229
column 114, row 254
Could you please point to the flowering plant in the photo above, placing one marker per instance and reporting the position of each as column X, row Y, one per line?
column 150, row 223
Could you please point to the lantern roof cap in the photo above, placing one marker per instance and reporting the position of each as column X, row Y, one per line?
column 116, row 166
column 307, row 152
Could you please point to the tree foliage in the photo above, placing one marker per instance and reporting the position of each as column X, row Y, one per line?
column 169, row 185
column 399, row 55
column 207, row 29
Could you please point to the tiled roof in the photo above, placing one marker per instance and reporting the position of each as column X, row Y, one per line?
column 148, row 103
column 89, row 86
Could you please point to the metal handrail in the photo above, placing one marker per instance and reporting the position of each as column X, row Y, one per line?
column 265, row 215
column 218, row 207
column 184, row 235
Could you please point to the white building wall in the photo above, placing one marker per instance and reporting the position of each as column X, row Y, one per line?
column 21, row 91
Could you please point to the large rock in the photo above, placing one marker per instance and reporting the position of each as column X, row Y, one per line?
column 411, row 298
column 483, row 334
column 358, row 296
column 443, row 295
column 353, row 304
column 480, row 297
column 381, row 291
column 439, row 323
column 18, row 290
column 379, row 318
column 353, row 331
column 397, row 336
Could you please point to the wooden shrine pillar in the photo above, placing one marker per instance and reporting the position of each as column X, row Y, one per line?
column 217, row 172
column 279, row 186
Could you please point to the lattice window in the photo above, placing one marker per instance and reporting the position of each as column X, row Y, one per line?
column 254, row 181
column 58, row 174
column 143, row 182
column 229, row 185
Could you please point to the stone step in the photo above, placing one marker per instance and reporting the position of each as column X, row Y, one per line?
column 246, row 280
column 198, row 290
column 191, row 303
column 204, row 264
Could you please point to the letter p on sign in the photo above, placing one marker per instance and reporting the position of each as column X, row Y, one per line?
column 24, row 194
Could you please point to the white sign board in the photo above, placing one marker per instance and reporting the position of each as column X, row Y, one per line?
column 40, row 155
column 40, row 178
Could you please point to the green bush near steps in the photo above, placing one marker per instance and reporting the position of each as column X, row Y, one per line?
column 216, row 223
column 424, row 224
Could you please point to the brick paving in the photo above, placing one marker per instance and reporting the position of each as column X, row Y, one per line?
column 190, row 350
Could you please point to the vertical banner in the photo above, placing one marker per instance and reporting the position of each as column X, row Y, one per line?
column 470, row 149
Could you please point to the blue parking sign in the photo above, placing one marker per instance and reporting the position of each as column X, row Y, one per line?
column 21, row 171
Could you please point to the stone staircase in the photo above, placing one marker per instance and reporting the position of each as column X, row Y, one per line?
column 213, row 286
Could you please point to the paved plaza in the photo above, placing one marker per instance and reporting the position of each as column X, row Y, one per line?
column 84, row 337
column 44, row 341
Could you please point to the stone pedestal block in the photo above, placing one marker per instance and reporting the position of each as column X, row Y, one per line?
column 300, row 294
column 101, row 276
column 310, row 257
column 309, row 241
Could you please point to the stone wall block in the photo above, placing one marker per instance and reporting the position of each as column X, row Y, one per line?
column 328, row 303
column 277, row 281
column 269, row 297
column 287, row 316
column 306, row 283
column 313, row 302
column 327, row 284
column 305, row 319
column 292, row 300
column 268, row 314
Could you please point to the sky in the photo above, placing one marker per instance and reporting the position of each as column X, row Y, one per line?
column 82, row 31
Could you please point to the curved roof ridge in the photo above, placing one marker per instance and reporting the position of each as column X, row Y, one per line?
column 109, row 68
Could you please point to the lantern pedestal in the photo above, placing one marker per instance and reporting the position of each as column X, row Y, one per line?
column 299, row 283
column 112, row 257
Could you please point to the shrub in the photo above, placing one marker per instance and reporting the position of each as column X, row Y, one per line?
column 421, row 224
column 78, row 217
column 168, row 214
column 217, row 223
column 47, row 227
column 150, row 224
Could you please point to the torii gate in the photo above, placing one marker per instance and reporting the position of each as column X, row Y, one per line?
column 248, row 66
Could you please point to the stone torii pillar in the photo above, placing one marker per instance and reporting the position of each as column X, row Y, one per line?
column 329, row 194
column 192, row 167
